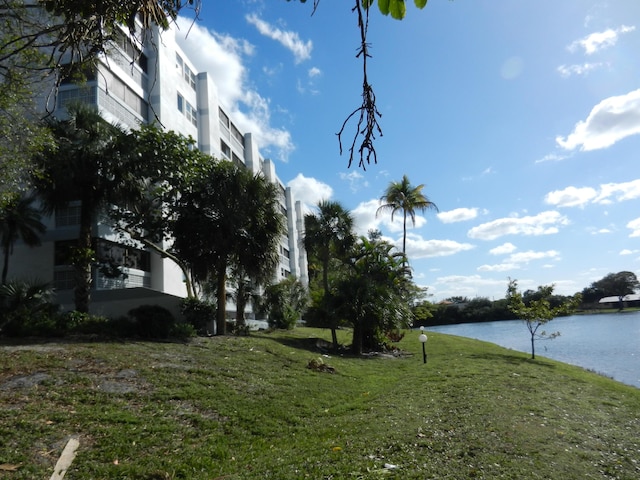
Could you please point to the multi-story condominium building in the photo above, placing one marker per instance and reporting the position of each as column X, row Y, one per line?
column 136, row 84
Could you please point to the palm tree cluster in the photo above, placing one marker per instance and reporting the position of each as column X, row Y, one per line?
column 361, row 282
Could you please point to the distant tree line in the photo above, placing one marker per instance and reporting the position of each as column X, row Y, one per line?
column 454, row 310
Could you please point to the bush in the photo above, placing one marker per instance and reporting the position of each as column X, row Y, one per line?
column 85, row 323
column 152, row 321
column 183, row 331
column 26, row 309
column 199, row 314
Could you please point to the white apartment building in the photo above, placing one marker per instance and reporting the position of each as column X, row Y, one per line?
column 134, row 85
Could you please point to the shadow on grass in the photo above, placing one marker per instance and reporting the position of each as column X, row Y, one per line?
column 516, row 358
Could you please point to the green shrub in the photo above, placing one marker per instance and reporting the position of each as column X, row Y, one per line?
column 152, row 321
column 183, row 331
column 26, row 309
column 85, row 323
column 198, row 313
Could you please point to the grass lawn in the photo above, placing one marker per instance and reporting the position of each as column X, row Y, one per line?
column 249, row 408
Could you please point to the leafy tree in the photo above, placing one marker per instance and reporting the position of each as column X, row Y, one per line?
column 86, row 165
column 328, row 236
column 285, row 302
column 162, row 165
column 373, row 295
column 538, row 312
column 74, row 32
column 19, row 220
column 612, row 285
column 422, row 313
column 403, row 197
column 22, row 133
column 213, row 234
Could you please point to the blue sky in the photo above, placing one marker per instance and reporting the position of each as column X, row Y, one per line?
column 521, row 118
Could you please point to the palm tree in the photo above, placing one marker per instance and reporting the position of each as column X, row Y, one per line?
column 86, row 166
column 402, row 196
column 375, row 293
column 230, row 218
column 257, row 251
column 19, row 220
column 328, row 235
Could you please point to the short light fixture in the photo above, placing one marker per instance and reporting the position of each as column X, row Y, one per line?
column 423, row 341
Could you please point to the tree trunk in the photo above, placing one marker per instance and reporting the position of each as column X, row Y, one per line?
column 5, row 268
column 404, row 233
column 356, row 343
column 240, row 303
column 533, row 347
column 221, row 300
column 83, row 257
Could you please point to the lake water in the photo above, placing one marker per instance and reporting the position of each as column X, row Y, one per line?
column 608, row 344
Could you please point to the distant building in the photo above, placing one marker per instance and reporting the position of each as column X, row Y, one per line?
column 631, row 299
column 137, row 84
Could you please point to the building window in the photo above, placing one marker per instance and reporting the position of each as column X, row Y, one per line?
column 180, row 103
column 226, row 151
column 69, row 216
column 236, row 160
column 189, row 77
column 236, row 133
column 191, row 114
column 185, row 72
column 224, row 118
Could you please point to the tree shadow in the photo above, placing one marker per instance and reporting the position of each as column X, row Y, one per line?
column 515, row 358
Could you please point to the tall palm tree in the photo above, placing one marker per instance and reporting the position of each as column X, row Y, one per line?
column 402, row 196
column 19, row 219
column 328, row 235
column 86, row 166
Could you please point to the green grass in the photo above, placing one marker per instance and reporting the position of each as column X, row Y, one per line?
column 248, row 408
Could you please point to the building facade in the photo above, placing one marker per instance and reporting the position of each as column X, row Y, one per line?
column 135, row 84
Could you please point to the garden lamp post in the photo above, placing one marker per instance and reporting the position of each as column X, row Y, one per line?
column 423, row 341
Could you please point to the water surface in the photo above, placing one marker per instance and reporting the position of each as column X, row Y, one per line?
column 608, row 344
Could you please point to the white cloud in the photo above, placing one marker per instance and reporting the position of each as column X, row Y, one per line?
column 608, row 193
column 634, row 226
column 418, row 247
column 612, row 120
column 500, row 267
column 553, row 157
column 528, row 256
column 516, row 260
column 314, row 72
column 626, row 251
column 467, row 286
column 365, row 216
column 544, row 223
column 356, row 180
column 458, row 215
column 290, row 40
column 566, row 71
column 599, row 40
column 503, row 249
column 571, row 197
column 224, row 62
column 309, row 190
column 620, row 191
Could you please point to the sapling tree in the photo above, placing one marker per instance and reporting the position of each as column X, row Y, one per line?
column 538, row 312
